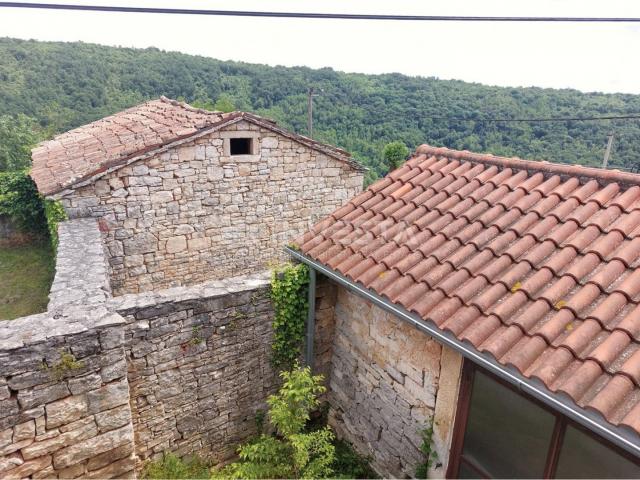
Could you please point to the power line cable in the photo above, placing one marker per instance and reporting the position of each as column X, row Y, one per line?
column 635, row 116
column 335, row 16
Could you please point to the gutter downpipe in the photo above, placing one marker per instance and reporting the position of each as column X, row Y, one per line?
column 628, row 442
column 311, row 318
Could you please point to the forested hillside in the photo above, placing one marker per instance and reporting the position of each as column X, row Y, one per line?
column 63, row 85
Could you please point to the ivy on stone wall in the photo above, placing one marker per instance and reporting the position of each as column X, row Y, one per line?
column 289, row 290
column 428, row 449
column 54, row 214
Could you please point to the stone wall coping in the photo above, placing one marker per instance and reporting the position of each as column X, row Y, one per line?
column 124, row 304
column 77, row 300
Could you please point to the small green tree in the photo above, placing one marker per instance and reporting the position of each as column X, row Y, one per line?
column 395, row 153
column 17, row 136
column 19, row 199
column 290, row 452
column 225, row 103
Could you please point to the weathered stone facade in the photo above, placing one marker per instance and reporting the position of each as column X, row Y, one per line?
column 64, row 394
column 387, row 381
column 199, row 365
column 195, row 213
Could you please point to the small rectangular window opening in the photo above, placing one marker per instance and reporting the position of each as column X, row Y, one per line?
column 240, row 146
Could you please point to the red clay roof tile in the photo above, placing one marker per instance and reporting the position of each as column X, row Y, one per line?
column 80, row 154
column 533, row 263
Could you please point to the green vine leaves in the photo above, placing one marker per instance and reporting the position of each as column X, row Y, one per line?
column 289, row 290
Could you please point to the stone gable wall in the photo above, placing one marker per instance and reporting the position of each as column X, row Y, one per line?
column 387, row 380
column 193, row 214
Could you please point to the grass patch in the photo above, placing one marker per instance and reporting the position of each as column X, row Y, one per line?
column 26, row 273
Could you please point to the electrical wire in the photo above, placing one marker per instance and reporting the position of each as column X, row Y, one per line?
column 335, row 16
column 634, row 116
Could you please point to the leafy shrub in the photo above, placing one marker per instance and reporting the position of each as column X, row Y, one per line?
column 289, row 290
column 290, row 452
column 349, row 463
column 394, row 154
column 17, row 135
column 173, row 467
column 20, row 200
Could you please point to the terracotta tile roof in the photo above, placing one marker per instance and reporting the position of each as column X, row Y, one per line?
column 533, row 263
column 81, row 154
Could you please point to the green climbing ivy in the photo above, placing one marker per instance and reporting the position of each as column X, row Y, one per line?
column 54, row 214
column 428, row 450
column 289, row 289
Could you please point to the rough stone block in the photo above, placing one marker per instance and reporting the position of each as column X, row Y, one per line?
column 27, row 469
column 109, row 457
column 140, row 243
column 78, row 385
column 115, row 418
column 196, row 244
column 66, row 411
column 24, row 431
column 176, row 244
column 108, row 396
column 93, row 446
column 41, row 396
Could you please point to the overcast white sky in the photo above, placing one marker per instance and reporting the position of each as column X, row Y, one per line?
column 588, row 57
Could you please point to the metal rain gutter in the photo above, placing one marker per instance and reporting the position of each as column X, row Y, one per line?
column 626, row 441
column 311, row 319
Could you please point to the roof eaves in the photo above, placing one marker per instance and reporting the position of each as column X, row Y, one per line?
column 622, row 436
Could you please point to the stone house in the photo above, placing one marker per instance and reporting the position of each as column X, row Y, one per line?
column 157, row 336
column 498, row 299
column 493, row 298
column 185, row 195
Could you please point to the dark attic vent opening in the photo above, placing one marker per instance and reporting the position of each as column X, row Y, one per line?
column 241, row 146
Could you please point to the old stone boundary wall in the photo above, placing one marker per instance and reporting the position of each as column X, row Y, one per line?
column 199, row 365
column 98, row 384
column 64, row 394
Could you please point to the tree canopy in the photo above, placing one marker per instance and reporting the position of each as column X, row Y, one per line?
column 64, row 85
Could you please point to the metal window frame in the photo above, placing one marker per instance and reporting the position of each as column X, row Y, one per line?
column 556, row 440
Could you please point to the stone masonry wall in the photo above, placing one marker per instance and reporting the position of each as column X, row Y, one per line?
column 387, row 380
column 193, row 214
column 199, row 365
column 64, row 394
column 98, row 384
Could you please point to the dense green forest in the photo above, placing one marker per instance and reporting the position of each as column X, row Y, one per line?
column 63, row 85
